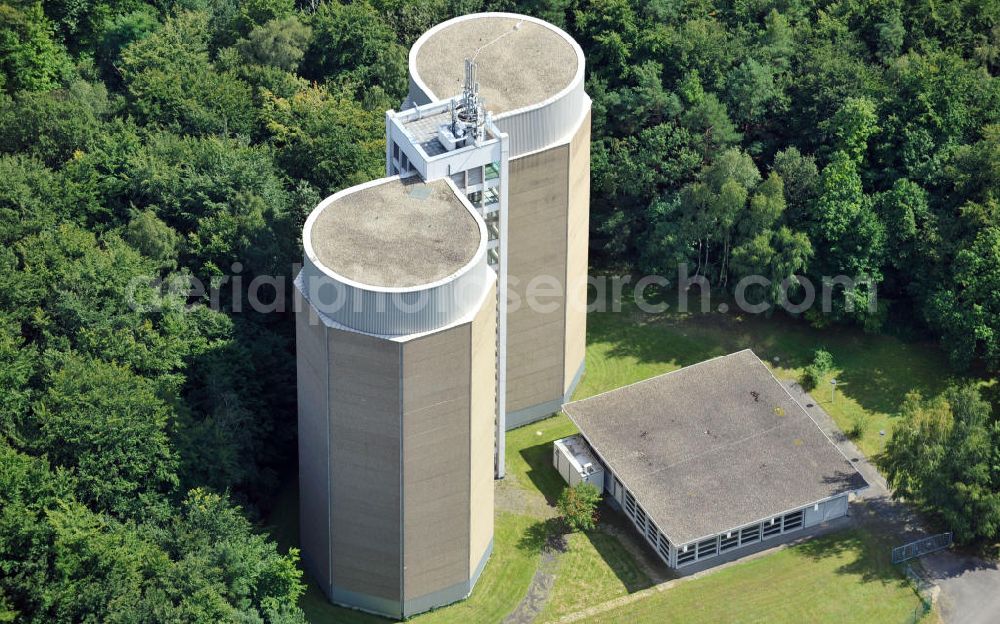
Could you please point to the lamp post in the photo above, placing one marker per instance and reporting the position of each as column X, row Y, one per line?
column 833, row 389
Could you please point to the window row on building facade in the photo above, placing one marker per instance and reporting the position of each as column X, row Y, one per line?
column 703, row 549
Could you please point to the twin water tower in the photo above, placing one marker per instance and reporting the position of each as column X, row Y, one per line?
column 438, row 307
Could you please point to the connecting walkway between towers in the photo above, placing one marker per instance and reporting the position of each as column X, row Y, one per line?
column 458, row 139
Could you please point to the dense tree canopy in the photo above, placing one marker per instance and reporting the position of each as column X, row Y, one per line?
column 946, row 457
column 143, row 429
column 868, row 115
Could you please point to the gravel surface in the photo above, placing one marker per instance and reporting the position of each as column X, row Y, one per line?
column 517, row 67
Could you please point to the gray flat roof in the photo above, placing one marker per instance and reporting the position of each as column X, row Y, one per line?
column 425, row 132
column 526, row 66
column 713, row 447
column 396, row 234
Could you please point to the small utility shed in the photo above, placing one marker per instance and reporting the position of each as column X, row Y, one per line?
column 713, row 457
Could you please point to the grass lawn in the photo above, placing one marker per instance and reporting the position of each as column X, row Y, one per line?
column 595, row 568
column 838, row 578
column 835, row 578
column 529, row 456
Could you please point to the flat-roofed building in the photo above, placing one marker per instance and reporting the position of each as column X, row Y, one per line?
column 396, row 347
column 714, row 457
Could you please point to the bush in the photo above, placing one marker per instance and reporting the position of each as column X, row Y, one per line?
column 859, row 427
column 578, row 506
column 821, row 365
column 810, row 378
column 823, row 360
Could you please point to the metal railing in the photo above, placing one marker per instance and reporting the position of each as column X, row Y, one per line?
column 921, row 547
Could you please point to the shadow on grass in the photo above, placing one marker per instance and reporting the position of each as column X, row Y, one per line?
column 319, row 610
column 543, row 476
column 868, row 558
column 870, row 384
column 620, row 560
column 648, row 338
column 549, row 534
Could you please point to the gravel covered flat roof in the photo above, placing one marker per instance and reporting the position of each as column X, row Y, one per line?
column 396, row 234
column 518, row 67
column 713, row 446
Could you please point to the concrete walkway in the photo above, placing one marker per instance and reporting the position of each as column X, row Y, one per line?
column 969, row 586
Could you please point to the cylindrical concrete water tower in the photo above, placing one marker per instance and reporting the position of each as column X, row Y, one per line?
column 531, row 77
column 395, row 334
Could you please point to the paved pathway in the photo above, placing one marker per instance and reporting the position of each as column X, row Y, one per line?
column 538, row 591
column 969, row 586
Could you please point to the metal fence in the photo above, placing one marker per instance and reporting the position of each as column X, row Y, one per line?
column 921, row 547
column 918, row 614
column 924, row 588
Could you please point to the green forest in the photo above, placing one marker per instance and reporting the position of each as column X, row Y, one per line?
column 141, row 445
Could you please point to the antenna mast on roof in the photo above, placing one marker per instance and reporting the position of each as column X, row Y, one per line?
column 471, row 114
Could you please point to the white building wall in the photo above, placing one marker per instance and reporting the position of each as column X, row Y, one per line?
column 826, row 511
column 531, row 128
column 393, row 311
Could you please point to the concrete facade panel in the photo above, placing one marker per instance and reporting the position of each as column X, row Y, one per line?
column 482, row 431
column 436, row 376
column 828, row 510
column 537, row 222
column 314, row 492
column 365, row 463
column 396, row 458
